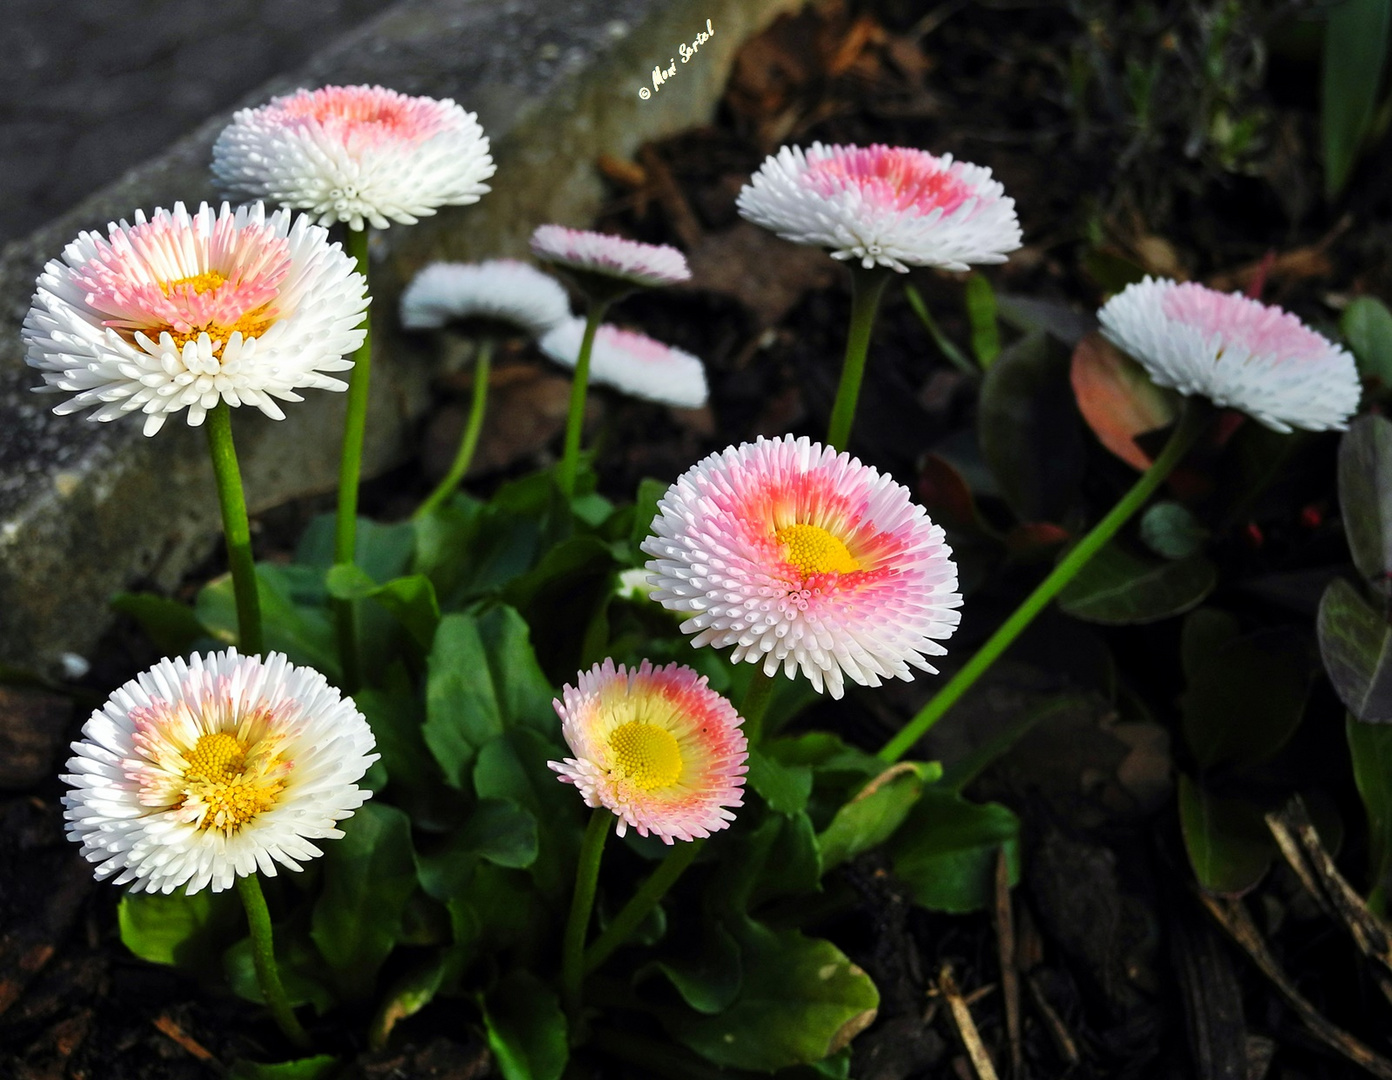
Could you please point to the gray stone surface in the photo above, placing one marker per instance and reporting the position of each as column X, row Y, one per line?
column 87, row 509
column 90, row 88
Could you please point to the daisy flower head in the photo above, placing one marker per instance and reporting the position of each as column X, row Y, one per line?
column 607, row 265
column 499, row 297
column 632, row 362
column 884, row 205
column 198, row 772
column 1236, row 351
column 797, row 555
column 657, row 746
column 180, row 311
column 355, row 154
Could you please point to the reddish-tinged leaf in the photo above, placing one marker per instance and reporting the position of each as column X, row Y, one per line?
column 1034, row 537
column 1117, row 398
column 946, row 495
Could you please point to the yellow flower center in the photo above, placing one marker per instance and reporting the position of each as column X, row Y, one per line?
column 199, row 283
column 645, row 754
column 217, row 774
column 252, row 324
column 813, row 550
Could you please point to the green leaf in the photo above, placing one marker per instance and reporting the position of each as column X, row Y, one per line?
column 369, row 875
column 1246, row 694
column 526, row 1028
column 801, row 1001
column 1365, row 494
column 482, row 678
column 767, row 856
column 946, row 851
column 562, row 597
column 303, row 973
column 1171, row 531
column 981, row 313
column 382, row 551
column 409, row 994
column 292, row 612
column 172, row 627
column 319, row 1067
column 1028, row 429
column 498, row 830
column 411, row 599
column 513, row 767
column 877, row 810
column 650, row 492
column 1227, row 840
column 708, row 972
column 1356, row 644
column 1367, row 327
column 1370, row 748
column 1355, row 53
column 784, row 787
column 1117, row 588
column 395, row 717
column 187, row 932
column 469, row 548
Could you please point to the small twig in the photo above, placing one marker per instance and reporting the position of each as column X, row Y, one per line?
column 1234, row 918
column 1010, row 975
column 670, row 196
column 961, row 1015
column 1058, row 1031
column 170, row 1028
column 1300, row 844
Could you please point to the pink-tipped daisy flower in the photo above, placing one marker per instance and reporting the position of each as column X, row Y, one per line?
column 884, row 205
column 593, row 254
column 198, row 772
column 657, row 746
column 355, row 154
column 498, row 297
column 182, row 311
column 1238, row 352
column 633, row 363
column 797, row 555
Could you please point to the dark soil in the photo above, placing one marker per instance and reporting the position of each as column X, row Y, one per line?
column 1118, row 969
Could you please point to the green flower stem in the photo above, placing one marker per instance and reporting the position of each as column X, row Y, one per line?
column 642, row 902
column 235, row 527
column 581, row 904
column 575, row 422
column 955, row 356
column 350, row 472
column 469, row 442
column 867, row 286
column 263, row 959
column 1191, row 423
column 755, row 704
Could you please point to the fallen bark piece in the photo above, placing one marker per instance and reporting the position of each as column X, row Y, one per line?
column 1300, row 844
column 1010, row 974
column 960, row 1012
column 1234, row 918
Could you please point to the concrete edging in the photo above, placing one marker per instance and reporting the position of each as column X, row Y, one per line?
column 89, row 509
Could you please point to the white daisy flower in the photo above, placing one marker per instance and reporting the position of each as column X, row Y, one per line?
column 195, row 773
column 610, row 256
column 798, row 556
column 632, row 362
column 355, row 154
column 1238, row 352
column 884, row 205
column 180, row 311
column 507, row 295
